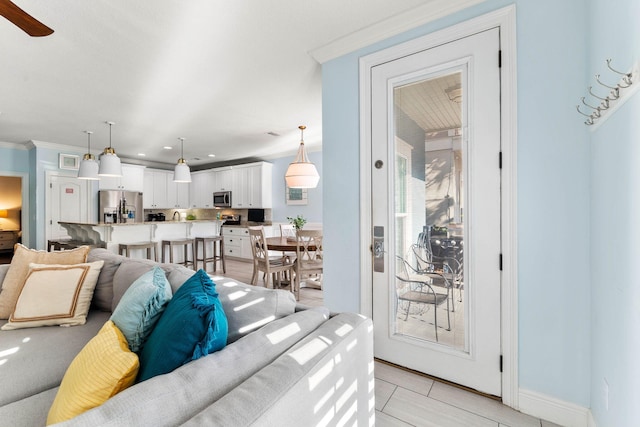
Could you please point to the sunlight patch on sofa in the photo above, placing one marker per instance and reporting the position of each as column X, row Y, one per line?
column 324, row 399
column 283, row 333
column 344, row 330
column 237, row 295
column 248, row 304
column 256, row 325
column 320, row 375
column 308, row 351
column 6, row 353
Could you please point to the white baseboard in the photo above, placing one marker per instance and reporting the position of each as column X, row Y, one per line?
column 554, row 410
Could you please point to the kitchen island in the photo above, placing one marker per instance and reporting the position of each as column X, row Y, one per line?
column 111, row 235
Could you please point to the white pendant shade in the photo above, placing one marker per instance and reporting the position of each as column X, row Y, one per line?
column 110, row 164
column 181, row 173
column 88, row 168
column 302, row 173
column 109, row 161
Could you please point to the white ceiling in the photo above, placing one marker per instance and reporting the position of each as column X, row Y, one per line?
column 221, row 74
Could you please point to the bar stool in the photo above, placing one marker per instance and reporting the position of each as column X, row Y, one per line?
column 125, row 249
column 218, row 252
column 170, row 244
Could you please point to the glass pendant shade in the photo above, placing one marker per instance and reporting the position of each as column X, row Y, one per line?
column 88, row 165
column 109, row 161
column 302, row 173
column 181, row 173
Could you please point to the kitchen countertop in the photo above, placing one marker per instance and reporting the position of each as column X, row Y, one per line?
column 118, row 224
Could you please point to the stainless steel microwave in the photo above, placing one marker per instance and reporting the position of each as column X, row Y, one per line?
column 222, row 199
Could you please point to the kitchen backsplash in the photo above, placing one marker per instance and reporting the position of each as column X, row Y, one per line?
column 205, row 213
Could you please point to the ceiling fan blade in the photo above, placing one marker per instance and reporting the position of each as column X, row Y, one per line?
column 23, row 20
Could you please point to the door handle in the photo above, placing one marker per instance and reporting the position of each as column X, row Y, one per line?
column 378, row 249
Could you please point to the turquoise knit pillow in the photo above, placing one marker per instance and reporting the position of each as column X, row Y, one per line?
column 141, row 306
column 193, row 325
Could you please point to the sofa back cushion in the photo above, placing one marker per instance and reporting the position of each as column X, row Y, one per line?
column 103, row 294
column 19, row 268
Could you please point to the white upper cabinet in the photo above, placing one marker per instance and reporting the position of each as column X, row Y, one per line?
column 132, row 179
column 203, row 184
column 252, row 186
column 223, row 179
column 155, row 189
column 177, row 193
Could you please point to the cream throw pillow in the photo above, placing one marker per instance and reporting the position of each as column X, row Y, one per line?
column 55, row 295
column 23, row 256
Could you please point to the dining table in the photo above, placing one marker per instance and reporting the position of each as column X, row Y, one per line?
column 284, row 244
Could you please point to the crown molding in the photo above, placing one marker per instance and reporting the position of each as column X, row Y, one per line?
column 14, row 145
column 390, row 27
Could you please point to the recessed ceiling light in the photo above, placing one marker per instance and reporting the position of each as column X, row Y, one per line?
column 211, row 155
column 166, row 147
column 273, row 133
column 141, row 154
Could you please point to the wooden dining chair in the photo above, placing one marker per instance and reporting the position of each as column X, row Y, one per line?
column 273, row 267
column 308, row 261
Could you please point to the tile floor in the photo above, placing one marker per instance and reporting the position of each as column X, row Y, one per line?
column 407, row 399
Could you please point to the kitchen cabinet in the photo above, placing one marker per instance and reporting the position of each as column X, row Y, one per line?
column 223, row 179
column 237, row 242
column 177, row 193
column 155, row 189
column 202, row 188
column 132, row 179
column 252, row 185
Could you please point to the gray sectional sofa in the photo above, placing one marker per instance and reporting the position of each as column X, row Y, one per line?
column 284, row 365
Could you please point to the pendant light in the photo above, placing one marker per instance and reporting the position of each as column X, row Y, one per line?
column 109, row 160
column 181, row 173
column 302, row 173
column 88, row 165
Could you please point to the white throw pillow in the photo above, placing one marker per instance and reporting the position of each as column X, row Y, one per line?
column 54, row 294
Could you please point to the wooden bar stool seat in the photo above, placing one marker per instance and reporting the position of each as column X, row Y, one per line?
column 172, row 243
column 217, row 256
column 125, row 249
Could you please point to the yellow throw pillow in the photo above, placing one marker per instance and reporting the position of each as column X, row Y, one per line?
column 19, row 269
column 55, row 295
column 103, row 368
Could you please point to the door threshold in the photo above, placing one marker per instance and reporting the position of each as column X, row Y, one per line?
column 440, row 380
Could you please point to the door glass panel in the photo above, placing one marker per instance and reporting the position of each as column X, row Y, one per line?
column 429, row 210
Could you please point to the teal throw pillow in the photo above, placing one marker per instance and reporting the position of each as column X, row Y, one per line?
column 193, row 325
column 141, row 306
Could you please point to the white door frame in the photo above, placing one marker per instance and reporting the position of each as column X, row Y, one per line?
column 505, row 20
column 90, row 208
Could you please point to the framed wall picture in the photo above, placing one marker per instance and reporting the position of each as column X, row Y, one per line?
column 69, row 161
column 295, row 196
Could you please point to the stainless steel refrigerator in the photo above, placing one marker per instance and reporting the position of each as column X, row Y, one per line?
column 116, row 206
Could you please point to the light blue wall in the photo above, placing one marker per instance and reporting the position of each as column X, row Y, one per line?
column 553, row 190
column 313, row 210
column 615, row 228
